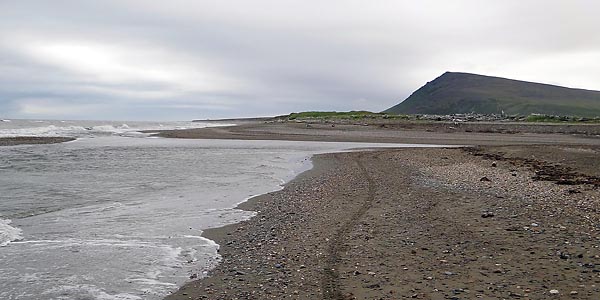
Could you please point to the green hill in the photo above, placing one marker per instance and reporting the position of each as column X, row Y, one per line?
column 465, row 93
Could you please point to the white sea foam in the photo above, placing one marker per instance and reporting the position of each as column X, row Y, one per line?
column 86, row 291
column 8, row 233
column 87, row 128
column 150, row 281
column 53, row 130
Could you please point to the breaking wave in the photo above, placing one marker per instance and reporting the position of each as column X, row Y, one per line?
column 76, row 129
column 8, row 233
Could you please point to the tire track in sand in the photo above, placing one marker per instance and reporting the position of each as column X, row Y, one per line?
column 330, row 281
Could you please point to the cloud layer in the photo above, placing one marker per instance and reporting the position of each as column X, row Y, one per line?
column 184, row 59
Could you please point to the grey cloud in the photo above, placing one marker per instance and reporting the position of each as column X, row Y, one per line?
column 241, row 58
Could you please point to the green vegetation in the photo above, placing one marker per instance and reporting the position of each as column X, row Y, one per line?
column 330, row 114
column 459, row 93
column 325, row 115
column 559, row 119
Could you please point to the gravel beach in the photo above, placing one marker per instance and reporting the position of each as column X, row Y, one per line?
column 479, row 222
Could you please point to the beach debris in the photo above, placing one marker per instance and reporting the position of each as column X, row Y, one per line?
column 563, row 255
column 458, row 291
column 373, row 286
column 554, row 292
column 484, row 178
column 494, row 164
column 487, row 214
column 515, row 295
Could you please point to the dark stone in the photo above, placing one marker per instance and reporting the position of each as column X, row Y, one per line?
column 487, row 214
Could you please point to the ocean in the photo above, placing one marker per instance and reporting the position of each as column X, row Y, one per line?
column 117, row 214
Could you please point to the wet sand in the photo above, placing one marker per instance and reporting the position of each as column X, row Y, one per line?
column 30, row 140
column 515, row 221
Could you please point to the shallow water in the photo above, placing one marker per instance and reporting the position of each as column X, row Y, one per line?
column 121, row 218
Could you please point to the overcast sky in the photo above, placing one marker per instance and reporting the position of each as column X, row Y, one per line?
column 180, row 60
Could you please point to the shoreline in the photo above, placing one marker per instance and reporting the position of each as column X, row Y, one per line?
column 337, row 231
column 220, row 235
column 437, row 134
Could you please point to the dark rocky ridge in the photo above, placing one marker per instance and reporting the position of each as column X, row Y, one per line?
column 465, row 93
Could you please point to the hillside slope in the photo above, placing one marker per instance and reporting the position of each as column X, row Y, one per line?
column 464, row 93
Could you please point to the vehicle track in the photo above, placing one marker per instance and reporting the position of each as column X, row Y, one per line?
column 330, row 280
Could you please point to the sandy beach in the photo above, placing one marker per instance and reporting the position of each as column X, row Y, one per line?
column 518, row 221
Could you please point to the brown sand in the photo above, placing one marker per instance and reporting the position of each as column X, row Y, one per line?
column 510, row 222
column 30, row 140
column 431, row 134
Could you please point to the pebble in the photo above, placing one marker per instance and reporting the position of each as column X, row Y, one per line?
column 487, row 214
column 554, row 292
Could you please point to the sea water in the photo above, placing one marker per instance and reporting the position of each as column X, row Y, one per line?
column 82, row 128
column 113, row 217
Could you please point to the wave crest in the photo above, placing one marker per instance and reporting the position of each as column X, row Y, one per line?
column 8, row 233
